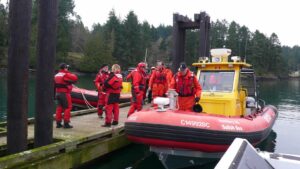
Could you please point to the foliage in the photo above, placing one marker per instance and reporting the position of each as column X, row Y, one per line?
column 125, row 42
column 3, row 34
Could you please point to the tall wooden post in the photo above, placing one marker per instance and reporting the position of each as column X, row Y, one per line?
column 207, row 30
column 176, row 44
column 46, row 49
column 202, row 47
column 17, row 74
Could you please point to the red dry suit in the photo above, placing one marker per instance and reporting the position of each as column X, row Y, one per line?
column 158, row 83
column 169, row 75
column 63, row 87
column 187, row 87
column 113, row 86
column 99, row 83
column 137, row 89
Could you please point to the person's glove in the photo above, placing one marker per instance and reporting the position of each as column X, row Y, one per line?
column 197, row 99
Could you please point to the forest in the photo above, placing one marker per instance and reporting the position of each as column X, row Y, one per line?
column 125, row 41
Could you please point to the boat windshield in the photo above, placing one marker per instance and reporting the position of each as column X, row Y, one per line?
column 217, row 81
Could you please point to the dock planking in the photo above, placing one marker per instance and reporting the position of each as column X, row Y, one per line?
column 86, row 141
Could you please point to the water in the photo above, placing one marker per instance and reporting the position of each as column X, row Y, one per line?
column 285, row 95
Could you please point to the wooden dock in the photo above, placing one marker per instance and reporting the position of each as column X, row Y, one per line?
column 81, row 144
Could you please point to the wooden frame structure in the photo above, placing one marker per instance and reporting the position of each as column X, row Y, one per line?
column 180, row 25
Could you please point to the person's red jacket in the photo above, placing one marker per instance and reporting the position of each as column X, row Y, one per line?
column 186, row 85
column 138, row 80
column 64, row 80
column 99, row 80
column 113, row 84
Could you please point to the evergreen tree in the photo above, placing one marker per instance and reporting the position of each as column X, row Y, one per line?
column 233, row 39
column 65, row 11
column 97, row 52
column 133, row 52
column 113, row 34
column 218, row 34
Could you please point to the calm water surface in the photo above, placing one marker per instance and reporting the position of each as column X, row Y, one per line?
column 285, row 95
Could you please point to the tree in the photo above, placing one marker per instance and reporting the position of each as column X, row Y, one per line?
column 133, row 52
column 79, row 35
column 113, row 35
column 3, row 33
column 96, row 51
column 218, row 33
column 233, row 40
column 65, row 11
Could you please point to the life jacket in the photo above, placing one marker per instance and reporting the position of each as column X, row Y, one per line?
column 185, row 85
column 141, row 80
column 100, row 79
column 160, row 77
column 63, row 81
column 113, row 84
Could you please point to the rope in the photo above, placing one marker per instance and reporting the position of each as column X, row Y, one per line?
column 89, row 106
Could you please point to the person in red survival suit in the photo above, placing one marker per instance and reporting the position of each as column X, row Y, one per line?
column 169, row 74
column 113, row 86
column 186, row 85
column 149, row 89
column 138, row 77
column 99, row 83
column 158, row 82
column 63, row 87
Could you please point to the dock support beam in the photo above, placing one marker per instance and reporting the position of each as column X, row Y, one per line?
column 180, row 25
column 46, row 49
column 17, row 74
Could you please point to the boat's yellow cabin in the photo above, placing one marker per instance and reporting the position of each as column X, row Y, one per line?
column 224, row 90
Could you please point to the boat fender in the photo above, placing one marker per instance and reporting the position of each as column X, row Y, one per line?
column 197, row 108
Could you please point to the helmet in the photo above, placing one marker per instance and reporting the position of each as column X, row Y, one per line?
column 142, row 65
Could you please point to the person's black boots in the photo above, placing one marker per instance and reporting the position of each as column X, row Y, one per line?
column 67, row 126
column 115, row 123
column 106, row 125
column 58, row 124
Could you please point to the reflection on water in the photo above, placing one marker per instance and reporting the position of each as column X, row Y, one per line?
column 269, row 144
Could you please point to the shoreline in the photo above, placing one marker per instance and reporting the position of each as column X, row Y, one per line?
column 263, row 78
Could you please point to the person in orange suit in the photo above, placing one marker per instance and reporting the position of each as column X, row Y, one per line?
column 99, row 83
column 186, row 85
column 113, row 86
column 158, row 83
column 138, row 77
column 63, row 87
column 149, row 89
column 169, row 74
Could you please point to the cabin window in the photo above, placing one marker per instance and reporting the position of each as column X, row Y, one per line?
column 217, row 81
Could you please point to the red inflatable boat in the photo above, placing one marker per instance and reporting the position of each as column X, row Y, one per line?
column 198, row 131
column 80, row 96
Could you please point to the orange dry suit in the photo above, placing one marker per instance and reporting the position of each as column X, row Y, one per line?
column 169, row 75
column 187, row 87
column 137, row 89
column 63, row 87
column 158, row 83
column 113, row 86
column 99, row 83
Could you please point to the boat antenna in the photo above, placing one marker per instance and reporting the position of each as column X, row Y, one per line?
column 245, row 59
column 146, row 53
